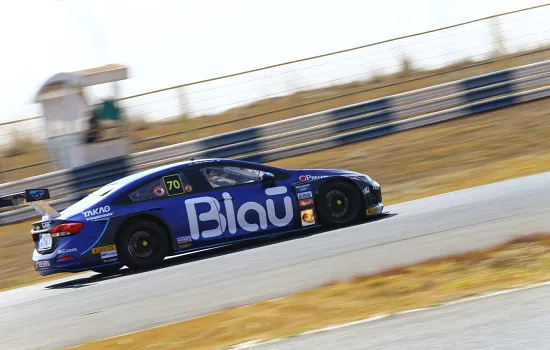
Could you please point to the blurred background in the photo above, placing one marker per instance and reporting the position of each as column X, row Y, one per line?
column 184, row 59
column 427, row 97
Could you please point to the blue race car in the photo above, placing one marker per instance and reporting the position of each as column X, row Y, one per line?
column 139, row 220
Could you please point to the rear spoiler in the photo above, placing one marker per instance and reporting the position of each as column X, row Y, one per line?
column 34, row 197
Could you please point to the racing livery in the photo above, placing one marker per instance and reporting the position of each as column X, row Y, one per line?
column 139, row 220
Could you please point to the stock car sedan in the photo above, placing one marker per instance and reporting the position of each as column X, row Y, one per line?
column 139, row 220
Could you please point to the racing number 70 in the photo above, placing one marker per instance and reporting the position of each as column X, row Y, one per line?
column 173, row 184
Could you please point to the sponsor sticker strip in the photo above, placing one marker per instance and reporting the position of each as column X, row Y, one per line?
column 103, row 249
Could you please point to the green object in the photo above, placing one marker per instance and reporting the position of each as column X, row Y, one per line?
column 109, row 110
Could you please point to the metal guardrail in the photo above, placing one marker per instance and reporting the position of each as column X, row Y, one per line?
column 309, row 133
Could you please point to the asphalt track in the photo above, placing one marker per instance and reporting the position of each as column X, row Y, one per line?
column 69, row 312
column 517, row 320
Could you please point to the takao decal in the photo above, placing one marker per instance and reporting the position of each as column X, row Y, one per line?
column 97, row 213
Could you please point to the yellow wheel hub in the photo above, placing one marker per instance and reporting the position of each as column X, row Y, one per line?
column 145, row 244
column 339, row 202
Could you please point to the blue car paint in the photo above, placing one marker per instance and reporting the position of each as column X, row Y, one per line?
column 271, row 210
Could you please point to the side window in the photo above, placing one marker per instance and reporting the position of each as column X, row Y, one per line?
column 172, row 184
column 223, row 176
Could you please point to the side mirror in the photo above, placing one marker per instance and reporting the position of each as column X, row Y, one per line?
column 268, row 179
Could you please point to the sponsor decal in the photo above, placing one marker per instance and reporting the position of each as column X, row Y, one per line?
column 366, row 190
column 185, row 239
column 372, row 211
column 37, row 194
column 305, row 195
column 188, row 188
column 68, row 250
column 97, row 213
column 236, row 216
column 106, row 261
column 46, row 225
column 108, row 254
column 173, row 184
column 159, row 191
column 311, row 177
column 306, row 202
column 106, row 248
column 308, row 217
column 303, row 188
column 184, row 242
column 42, row 264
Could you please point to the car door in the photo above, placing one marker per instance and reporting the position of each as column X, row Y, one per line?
column 246, row 205
column 181, row 203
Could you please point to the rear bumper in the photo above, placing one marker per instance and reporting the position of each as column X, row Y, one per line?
column 49, row 264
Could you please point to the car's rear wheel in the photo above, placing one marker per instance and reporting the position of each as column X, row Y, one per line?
column 338, row 203
column 142, row 245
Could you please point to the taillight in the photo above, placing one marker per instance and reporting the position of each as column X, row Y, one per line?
column 66, row 229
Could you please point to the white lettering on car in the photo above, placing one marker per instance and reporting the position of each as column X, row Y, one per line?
column 43, row 263
column 68, row 250
column 304, row 195
column 311, row 177
column 97, row 213
column 212, row 214
column 266, row 214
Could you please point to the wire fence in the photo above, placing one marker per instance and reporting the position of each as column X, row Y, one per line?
column 277, row 92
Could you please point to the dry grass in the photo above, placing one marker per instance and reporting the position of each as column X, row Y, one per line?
column 440, row 158
column 16, row 257
column 513, row 264
column 280, row 108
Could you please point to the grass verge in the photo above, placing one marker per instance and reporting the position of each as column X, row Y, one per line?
column 516, row 263
column 454, row 155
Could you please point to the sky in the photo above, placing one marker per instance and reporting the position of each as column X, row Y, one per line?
column 170, row 42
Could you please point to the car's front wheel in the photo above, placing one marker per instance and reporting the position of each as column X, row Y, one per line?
column 338, row 203
column 142, row 245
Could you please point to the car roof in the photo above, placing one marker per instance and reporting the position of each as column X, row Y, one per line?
column 131, row 178
column 151, row 172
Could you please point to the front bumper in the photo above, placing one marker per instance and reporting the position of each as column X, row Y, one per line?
column 375, row 210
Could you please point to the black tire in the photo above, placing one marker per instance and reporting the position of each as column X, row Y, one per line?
column 108, row 270
column 142, row 245
column 338, row 203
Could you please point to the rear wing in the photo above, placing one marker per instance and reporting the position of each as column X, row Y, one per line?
column 34, row 197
